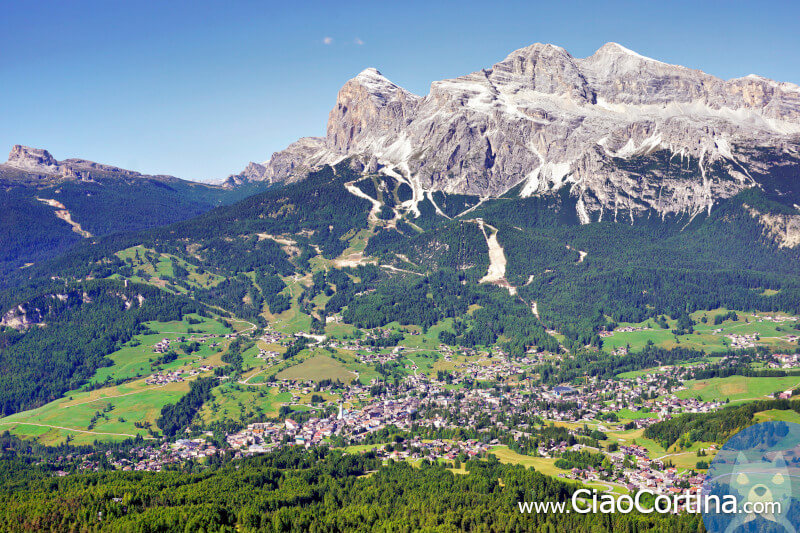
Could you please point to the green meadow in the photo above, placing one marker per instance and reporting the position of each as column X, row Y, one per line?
column 778, row 415
column 737, row 388
column 318, row 368
column 71, row 416
column 233, row 401
column 293, row 320
column 705, row 336
column 159, row 268
column 134, row 359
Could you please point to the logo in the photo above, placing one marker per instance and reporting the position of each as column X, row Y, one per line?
column 759, row 470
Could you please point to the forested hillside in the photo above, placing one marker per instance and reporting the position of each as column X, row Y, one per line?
column 31, row 231
column 71, row 330
column 294, row 490
column 633, row 269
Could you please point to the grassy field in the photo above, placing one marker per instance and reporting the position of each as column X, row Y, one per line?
column 635, row 415
column 540, row 464
column 134, row 359
column 429, row 340
column 317, row 368
column 159, row 269
column 736, row 388
column 548, row 468
column 366, row 373
column 704, row 338
column 238, row 402
column 339, row 331
column 116, row 409
column 292, row 320
column 130, row 403
column 778, row 415
column 207, row 325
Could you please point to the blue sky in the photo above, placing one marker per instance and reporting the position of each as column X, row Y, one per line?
column 198, row 89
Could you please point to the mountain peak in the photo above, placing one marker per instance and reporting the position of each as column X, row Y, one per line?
column 371, row 73
column 543, row 118
column 27, row 158
column 365, row 103
column 612, row 49
column 375, row 83
column 541, row 47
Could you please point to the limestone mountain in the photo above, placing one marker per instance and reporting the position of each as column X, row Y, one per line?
column 624, row 133
column 36, row 166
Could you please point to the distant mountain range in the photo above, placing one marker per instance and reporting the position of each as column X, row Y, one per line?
column 36, row 166
column 626, row 134
column 611, row 137
column 47, row 205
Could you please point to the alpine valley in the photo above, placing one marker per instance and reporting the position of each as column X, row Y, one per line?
column 548, row 274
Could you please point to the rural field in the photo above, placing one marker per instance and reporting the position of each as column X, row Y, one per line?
column 318, row 368
column 737, row 388
column 136, row 357
column 116, row 410
column 705, row 336
column 233, row 401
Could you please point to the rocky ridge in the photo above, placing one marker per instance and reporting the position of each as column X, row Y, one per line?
column 625, row 133
column 37, row 165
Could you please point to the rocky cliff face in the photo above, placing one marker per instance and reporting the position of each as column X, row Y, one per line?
column 624, row 132
column 36, row 165
column 32, row 159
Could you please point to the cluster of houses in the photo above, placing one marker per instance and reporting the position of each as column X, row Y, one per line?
column 268, row 355
column 354, row 424
column 143, row 458
column 272, row 337
column 624, row 329
column 159, row 378
column 155, row 458
column 749, row 340
column 778, row 319
column 632, row 468
column 417, row 448
column 161, row 346
column 785, row 361
column 177, row 376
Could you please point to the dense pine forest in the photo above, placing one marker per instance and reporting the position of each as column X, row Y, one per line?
column 305, row 491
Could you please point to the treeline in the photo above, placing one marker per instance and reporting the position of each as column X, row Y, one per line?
column 713, row 427
column 318, row 490
column 226, row 240
column 107, row 204
column 178, row 416
column 457, row 245
column 236, row 295
column 642, row 268
column 318, row 206
column 605, row 366
column 583, row 459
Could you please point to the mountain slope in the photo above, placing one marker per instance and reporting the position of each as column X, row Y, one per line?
column 535, row 248
column 49, row 205
column 624, row 133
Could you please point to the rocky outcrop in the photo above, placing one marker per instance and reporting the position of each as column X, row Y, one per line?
column 35, row 165
column 625, row 133
column 783, row 228
column 32, row 159
column 367, row 104
column 20, row 317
